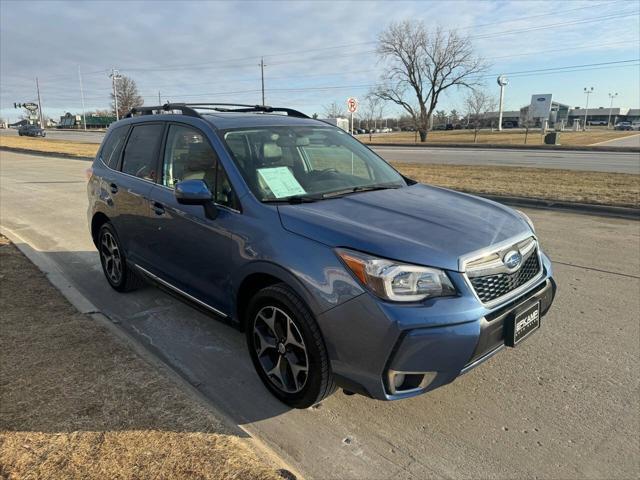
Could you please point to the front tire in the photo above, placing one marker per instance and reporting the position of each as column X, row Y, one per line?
column 114, row 263
column 287, row 348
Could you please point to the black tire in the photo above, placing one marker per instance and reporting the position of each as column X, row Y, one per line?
column 127, row 279
column 318, row 381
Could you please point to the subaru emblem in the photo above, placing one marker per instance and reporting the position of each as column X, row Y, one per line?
column 512, row 259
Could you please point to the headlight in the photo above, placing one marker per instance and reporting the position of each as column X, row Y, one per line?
column 527, row 219
column 396, row 281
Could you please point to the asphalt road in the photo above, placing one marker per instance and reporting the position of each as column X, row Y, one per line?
column 621, row 162
column 564, row 404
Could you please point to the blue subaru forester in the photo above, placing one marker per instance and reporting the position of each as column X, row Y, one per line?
column 341, row 271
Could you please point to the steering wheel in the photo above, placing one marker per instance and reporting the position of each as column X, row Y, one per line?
column 326, row 171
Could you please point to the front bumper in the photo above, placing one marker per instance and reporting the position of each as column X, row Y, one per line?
column 368, row 340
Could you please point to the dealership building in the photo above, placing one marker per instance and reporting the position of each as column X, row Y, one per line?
column 543, row 108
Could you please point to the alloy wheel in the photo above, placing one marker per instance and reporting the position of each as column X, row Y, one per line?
column 280, row 349
column 111, row 258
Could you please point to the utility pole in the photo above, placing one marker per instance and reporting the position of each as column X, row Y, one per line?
column 611, row 96
column 502, row 81
column 115, row 75
column 262, row 65
column 39, row 103
column 159, row 101
column 84, row 115
column 587, row 91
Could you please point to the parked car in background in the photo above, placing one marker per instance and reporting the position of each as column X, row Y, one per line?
column 509, row 124
column 623, row 126
column 597, row 122
column 340, row 271
column 31, row 131
column 635, row 125
column 440, row 127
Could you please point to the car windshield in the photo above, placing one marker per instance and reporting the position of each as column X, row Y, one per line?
column 306, row 163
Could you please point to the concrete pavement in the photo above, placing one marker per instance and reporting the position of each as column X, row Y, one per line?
column 630, row 141
column 562, row 405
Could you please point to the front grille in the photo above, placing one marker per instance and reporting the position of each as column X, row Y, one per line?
column 490, row 287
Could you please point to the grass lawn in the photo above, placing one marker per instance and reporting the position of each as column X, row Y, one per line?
column 51, row 146
column 551, row 184
column 76, row 403
column 506, row 137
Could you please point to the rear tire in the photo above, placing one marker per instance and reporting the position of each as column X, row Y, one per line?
column 287, row 348
column 114, row 262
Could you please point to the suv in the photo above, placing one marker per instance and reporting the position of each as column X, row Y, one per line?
column 31, row 131
column 340, row 270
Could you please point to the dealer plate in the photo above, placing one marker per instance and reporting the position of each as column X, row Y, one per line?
column 524, row 323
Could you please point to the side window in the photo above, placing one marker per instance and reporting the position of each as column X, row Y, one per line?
column 188, row 156
column 110, row 153
column 140, row 151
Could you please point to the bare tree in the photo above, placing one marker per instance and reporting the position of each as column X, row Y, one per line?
column 128, row 96
column 371, row 110
column 478, row 104
column 334, row 110
column 455, row 116
column 422, row 65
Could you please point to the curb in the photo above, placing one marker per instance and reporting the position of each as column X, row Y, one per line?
column 86, row 307
column 500, row 146
column 629, row 213
column 44, row 154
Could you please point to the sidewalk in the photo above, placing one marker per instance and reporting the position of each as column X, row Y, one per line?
column 76, row 402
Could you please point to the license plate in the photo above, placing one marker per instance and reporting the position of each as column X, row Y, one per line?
column 523, row 324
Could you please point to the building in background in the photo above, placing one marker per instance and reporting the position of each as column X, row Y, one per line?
column 93, row 121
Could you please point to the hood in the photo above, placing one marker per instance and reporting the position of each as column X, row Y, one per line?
column 417, row 224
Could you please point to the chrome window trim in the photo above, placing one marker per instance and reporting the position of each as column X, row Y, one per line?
column 181, row 292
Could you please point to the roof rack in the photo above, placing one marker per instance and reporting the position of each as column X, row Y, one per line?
column 190, row 109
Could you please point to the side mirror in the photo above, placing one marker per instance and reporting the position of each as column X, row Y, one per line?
column 196, row 192
column 193, row 192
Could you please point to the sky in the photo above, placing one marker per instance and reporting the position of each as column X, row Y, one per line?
column 316, row 52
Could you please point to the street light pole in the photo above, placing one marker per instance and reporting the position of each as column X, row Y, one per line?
column 502, row 81
column 39, row 104
column 115, row 75
column 611, row 96
column 587, row 91
column 84, row 115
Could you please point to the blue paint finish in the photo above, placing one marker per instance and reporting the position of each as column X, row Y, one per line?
column 210, row 258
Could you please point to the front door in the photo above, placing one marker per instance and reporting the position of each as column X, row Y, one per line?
column 191, row 251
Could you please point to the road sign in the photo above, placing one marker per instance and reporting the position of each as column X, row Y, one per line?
column 352, row 105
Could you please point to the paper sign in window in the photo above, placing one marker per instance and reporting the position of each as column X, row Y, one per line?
column 281, row 182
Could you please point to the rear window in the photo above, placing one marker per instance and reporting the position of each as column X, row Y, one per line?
column 110, row 153
column 141, row 152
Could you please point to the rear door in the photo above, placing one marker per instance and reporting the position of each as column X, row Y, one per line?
column 189, row 250
column 131, row 186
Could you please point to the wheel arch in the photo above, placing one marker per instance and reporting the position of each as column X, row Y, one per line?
column 97, row 221
column 264, row 274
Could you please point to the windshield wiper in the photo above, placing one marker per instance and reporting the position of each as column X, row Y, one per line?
column 360, row 188
column 293, row 200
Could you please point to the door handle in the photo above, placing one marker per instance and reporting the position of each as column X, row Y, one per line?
column 158, row 208
column 114, row 188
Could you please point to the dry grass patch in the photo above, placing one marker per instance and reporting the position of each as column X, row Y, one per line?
column 76, row 403
column 551, row 184
column 50, row 146
column 503, row 138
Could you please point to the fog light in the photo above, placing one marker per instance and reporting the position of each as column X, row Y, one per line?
column 408, row 382
column 398, row 380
